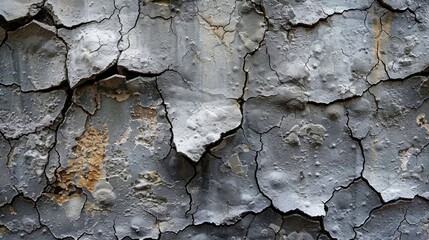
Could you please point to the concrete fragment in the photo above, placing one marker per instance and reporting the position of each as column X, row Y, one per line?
column 33, row 57
column 24, row 113
column 12, row 10
column 27, row 162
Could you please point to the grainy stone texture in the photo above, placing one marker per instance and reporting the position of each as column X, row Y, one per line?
column 223, row 119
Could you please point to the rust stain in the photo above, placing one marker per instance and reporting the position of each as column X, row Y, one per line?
column 147, row 117
column 421, row 122
column 114, row 87
column 3, row 229
column 85, row 169
column 120, row 97
column 140, row 112
column 12, row 210
column 378, row 27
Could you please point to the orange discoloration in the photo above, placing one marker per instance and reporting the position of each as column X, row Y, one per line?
column 85, row 169
column 421, row 122
column 12, row 210
column 380, row 29
column 140, row 112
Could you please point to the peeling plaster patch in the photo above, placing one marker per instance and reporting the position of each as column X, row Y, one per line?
column 349, row 208
column 77, row 12
column 92, row 49
column 196, row 124
column 13, row 10
column 73, row 207
column 24, row 113
column 27, row 162
column 304, row 178
column 33, row 58
column 84, row 169
column 311, row 11
column 402, row 54
column 143, row 179
column 72, row 127
column 146, row 54
column 396, row 133
column 327, row 63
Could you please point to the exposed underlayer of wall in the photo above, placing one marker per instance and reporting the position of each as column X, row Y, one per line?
column 214, row 119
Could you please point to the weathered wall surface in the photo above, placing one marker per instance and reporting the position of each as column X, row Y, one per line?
column 214, row 119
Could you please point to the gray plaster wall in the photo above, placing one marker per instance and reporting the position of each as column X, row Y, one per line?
column 214, row 119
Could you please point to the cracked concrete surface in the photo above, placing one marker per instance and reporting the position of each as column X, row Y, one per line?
column 224, row 119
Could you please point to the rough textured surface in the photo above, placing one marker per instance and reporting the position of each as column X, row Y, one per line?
column 33, row 58
column 223, row 119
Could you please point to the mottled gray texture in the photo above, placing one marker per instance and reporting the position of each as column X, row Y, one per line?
column 317, row 155
column 225, row 186
column 19, row 216
column 348, row 208
column 90, row 51
column 23, row 113
column 404, row 219
column 78, row 12
column 220, row 119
